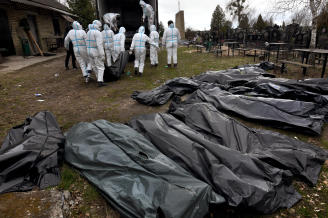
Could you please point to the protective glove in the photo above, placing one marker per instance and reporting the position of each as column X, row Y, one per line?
column 103, row 58
column 130, row 52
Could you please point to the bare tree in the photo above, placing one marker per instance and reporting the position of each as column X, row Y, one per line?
column 237, row 9
column 302, row 17
column 314, row 6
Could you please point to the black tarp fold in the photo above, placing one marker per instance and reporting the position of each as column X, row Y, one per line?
column 290, row 89
column 115, row 71
column 162, row 94
column 263, row 65
column 31, row 154
column 243, row 180
column 283, row 113
column 137, row 179
column 302, row 159
column 233, row 77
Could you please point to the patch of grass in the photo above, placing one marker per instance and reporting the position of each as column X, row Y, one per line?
column 324, row 143
column 90, row 194
column 67, row 125
column 68, row 177
column 104, row 99
column 305, row 212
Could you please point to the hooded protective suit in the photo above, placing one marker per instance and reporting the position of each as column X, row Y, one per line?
column 154, row 36
column 111, row 19
column 148, row 12
column 78, row 36
column 139, row 46
column 97, row 23
column 108, row 36
column 95, row 49
column 119, row 43
column 171, row 38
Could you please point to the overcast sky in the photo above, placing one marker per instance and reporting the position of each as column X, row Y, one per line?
column 198, row 13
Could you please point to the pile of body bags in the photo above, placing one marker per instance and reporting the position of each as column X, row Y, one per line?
column 181, row 163
column 252, row 93
column 190, row 159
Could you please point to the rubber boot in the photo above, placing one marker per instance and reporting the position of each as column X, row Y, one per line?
column 101, row 84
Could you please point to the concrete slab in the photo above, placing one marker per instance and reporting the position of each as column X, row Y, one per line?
column 14, row 63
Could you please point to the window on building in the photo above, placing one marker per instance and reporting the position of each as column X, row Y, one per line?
column 56, row 25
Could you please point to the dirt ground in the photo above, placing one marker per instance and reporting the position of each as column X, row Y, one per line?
column 65, row 94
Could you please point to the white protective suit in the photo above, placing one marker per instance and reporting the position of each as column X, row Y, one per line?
column 78, row 36
column 111, row 19
column 108, row 36
column 139, row 46
column 95, row 49
column 148, row 12
column 154, row 36
column 171, row 38
column 119, row 43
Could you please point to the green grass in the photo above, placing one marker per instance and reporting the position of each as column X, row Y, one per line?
column 69, row 177
column 324, row 143
column 90, row 194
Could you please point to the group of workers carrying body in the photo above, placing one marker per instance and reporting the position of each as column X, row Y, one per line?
column 94, row 48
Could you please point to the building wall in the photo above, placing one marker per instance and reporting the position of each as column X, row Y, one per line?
column 43, row 21
column 180, row 23
column 13, row 18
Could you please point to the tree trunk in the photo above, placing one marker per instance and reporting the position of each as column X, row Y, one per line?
column 314, row 12
column 313, row 33
column 314, row 24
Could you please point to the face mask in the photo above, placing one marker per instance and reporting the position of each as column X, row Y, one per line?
column 171, row 25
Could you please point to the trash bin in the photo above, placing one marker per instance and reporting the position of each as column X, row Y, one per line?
column 26, row 47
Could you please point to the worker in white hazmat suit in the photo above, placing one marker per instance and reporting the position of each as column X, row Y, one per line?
column 95, row 49
column 171, row 38
column 108, row 36
column 78, row 36
column 119, row 43
column 148, row 12
column 139, row 47
column 111, row 19
column 154, row 37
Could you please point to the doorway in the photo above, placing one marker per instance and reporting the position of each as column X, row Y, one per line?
column 6, row 42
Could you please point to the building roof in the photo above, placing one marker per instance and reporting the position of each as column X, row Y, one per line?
column 53, row 5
